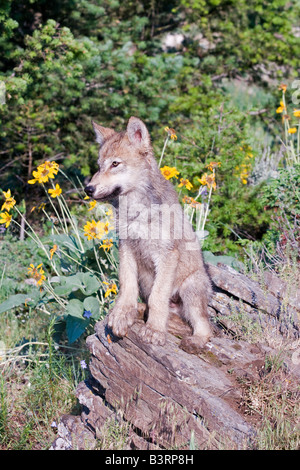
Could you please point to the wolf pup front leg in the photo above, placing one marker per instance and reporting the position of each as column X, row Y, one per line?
column 159, row 300
column 125, row 311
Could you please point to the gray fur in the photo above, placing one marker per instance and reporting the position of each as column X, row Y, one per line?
column 160, row 257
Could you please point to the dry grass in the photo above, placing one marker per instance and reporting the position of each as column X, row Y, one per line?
column 37, row 386
column 272, row 402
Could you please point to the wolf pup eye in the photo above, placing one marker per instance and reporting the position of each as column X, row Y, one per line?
column 114, row 164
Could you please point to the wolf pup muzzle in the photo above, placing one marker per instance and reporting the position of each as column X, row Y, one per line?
column 89, row 190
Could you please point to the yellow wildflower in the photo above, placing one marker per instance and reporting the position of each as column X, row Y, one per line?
column 7, row 194
column 171, row 132
column 36, row 178
column 208, row 180
column 112, row 288
column 106, row 244
column 169, row 172
column 212, row 165
column 5, row 218
column 109, row 213
column 292, row 130
column 52, row 251
column 37, row 273
column 282, row 87
column 95, row 230
column 244, row 172
column 41, row 206
column 92, row 205
column 44, row 172
column 55, row 192
column 297, row 113
column 9, row 201
column 203, row 179
column 281, row 108
column 107, row 227
column 185, row 183
column 191, row 201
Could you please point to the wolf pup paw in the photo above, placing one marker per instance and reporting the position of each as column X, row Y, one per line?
column 120, row 319
column 149, row 335
column 193, row 344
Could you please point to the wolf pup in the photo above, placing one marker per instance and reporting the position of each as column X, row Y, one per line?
column 160, row 256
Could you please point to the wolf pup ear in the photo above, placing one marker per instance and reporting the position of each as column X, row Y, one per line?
column 137, row 132
column 102, row 133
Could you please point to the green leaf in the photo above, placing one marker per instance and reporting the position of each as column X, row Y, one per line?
column 63, row 290
column 86, row 282
column 229, row 260
column 91, row 283
column 92, row 304
column 75, row 308
column 74, row 281
column 67, row 241
column 75, row 327
column 13, row 301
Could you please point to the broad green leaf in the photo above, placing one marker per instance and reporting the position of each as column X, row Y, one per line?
column 13, row 301
column 75, row 327
column 86, row 282
column 90, row 282
column 92, row 304
column 63, row 290
column 75, row 308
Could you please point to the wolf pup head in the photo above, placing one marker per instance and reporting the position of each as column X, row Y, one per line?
column 122, row 158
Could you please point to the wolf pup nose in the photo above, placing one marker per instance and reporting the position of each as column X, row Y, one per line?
column 159, row 253
column 89, row 190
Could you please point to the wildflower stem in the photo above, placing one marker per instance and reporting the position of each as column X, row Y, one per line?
column 35, row 238
column 97, row 260
column 163, row 150
column 49, row 218
column 58, row 299
column 43, row 310
column 77, row 262
column 112, row 260
column 68, row 213
column 192, row 215
column 27, row 233
column 200, row 218
column 63, row 212
column 54, row 208
column 207, row 208
column 2, row 276
column 199, row 193
column 298, row 145
column 67, row 178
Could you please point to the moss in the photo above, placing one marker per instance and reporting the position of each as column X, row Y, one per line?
column 211, row 358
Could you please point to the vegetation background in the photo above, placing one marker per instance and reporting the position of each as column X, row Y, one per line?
column 223, row 74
